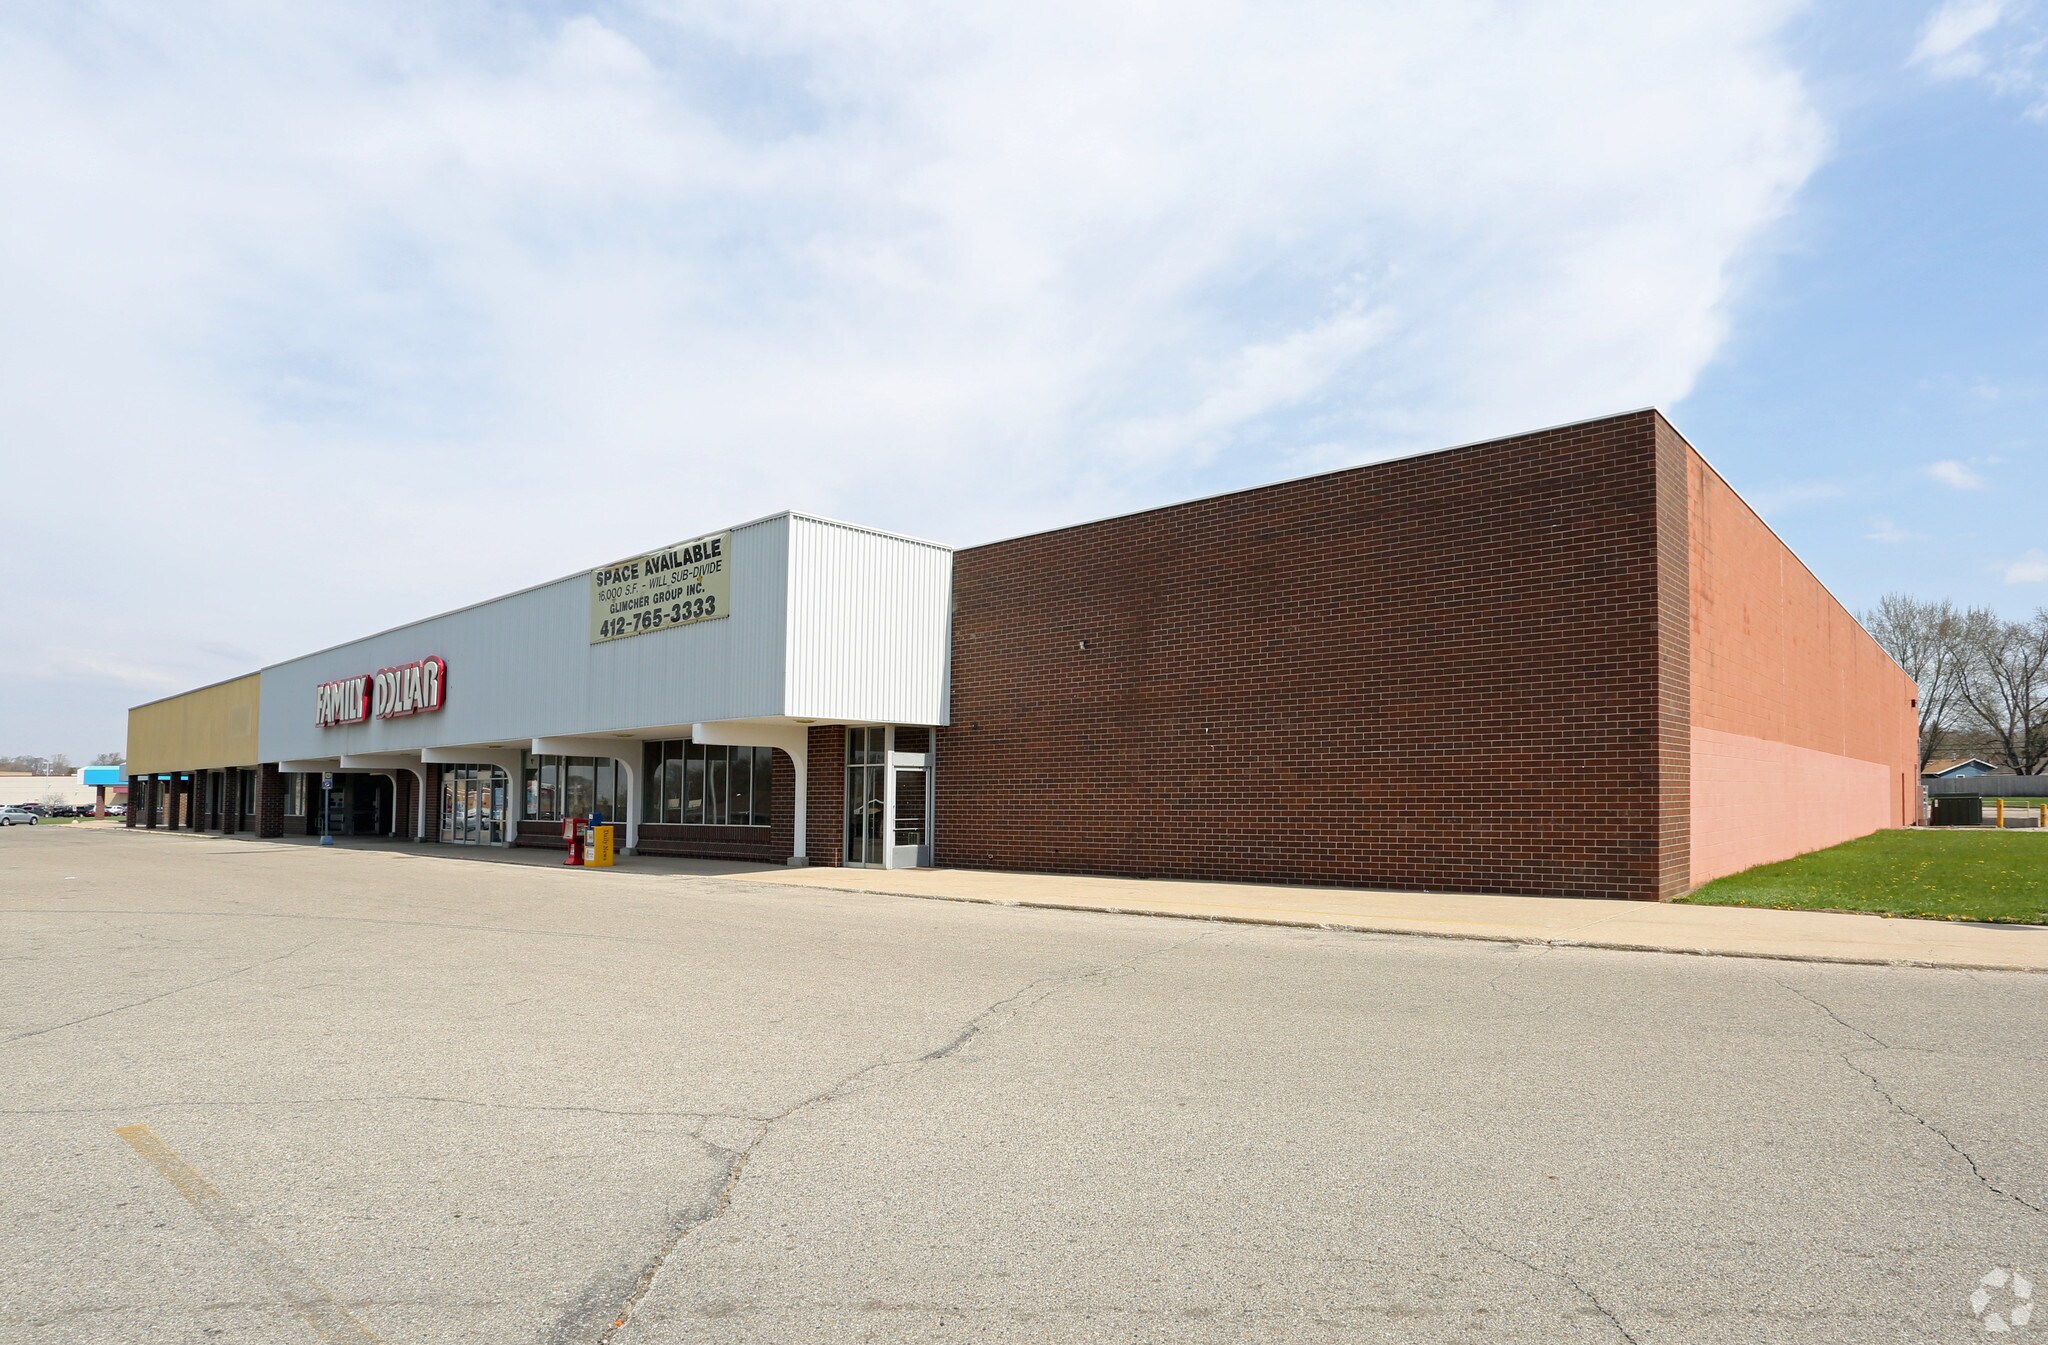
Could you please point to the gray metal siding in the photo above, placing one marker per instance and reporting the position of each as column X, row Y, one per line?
column 522, row 666
column 870, row 625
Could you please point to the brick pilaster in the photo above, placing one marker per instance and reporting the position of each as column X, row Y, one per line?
column 825, row 810
column 269, row 801
column 432, row 830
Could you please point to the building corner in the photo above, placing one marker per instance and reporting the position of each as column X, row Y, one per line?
column 1674, row 661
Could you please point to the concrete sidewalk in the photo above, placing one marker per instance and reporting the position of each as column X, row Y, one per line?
column 1806, row 936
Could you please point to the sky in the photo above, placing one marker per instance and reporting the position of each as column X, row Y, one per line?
column 319, row 318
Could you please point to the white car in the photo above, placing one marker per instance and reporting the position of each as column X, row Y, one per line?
column 11, row 816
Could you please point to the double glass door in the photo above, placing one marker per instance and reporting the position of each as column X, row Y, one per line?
column 473, row 805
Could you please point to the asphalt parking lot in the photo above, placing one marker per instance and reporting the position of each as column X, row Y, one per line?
column 262, row 1092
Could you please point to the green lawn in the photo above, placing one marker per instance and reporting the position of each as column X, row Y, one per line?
column 1932, row 874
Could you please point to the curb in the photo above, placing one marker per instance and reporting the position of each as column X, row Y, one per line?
column 1364, row 927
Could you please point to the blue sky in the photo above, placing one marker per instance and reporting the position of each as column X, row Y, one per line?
column 319, row 318
column 1902, row 324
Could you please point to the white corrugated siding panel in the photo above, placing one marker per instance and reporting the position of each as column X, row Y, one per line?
column 522, row 666
column 870, row 634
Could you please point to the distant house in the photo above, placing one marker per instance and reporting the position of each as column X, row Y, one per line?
column 1953, row 768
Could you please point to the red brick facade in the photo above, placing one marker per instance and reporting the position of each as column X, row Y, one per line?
column 824, row 827
column 1461, row 672
column 1804, row 732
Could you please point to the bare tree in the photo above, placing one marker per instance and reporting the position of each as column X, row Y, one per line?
column 1921, row 637
column 111, row 759
column 2005, row 684
column 34, row 765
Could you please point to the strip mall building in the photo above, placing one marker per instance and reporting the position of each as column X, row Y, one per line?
column 1572, row 662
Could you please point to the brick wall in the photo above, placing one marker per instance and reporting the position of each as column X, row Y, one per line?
column 432, row 831
column 824, row 827
column 269, row 801
column 1299, row 683
column 405, row 804
column 1803, row 730
column 1674, row 663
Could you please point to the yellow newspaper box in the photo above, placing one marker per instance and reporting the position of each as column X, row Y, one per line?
column 600, row 847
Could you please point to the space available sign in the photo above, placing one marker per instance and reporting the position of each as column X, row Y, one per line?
column 678, row 585
column 388, row 693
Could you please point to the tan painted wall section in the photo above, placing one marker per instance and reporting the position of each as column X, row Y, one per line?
column 200, row 730
column 1803, row 730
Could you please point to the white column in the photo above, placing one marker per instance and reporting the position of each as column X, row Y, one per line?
column 800, row 761
column 889, row 797
column 634, row 768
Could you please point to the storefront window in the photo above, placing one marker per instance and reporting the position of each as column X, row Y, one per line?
column 558, row 787
column 550, row 808
column 579, row 786
column 294, row 794
column 700, row 785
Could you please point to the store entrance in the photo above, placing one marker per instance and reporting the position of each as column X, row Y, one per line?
column 473, row 805
column 888, row 798
column 359, row 805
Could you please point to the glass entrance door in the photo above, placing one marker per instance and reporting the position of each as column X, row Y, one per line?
column 907, row 830
column 472, row 805
column 888, row 798
column 866, row 760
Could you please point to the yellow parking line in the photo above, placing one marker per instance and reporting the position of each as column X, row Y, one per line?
column 330, row 1321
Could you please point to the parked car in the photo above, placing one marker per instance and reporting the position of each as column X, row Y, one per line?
column 13, row 815
column 117, row 810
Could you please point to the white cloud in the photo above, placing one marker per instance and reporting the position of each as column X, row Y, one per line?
column 1883, row 529
column 1959, row 475
column 329, row 315
column 1949, row 43
column 2000, row 42
column 2031, row 568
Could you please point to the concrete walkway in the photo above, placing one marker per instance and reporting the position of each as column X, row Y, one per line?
column 1806, row 936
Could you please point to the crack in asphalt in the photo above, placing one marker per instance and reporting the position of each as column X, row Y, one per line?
column 1523, row 956
column 1940, row 1134
column 162, row 994
column 1824, row 1008
column 718, row 1200
column 1848, row 1059
column 1560, row 1274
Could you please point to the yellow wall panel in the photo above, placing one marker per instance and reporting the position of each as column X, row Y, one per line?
column 199, row 730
